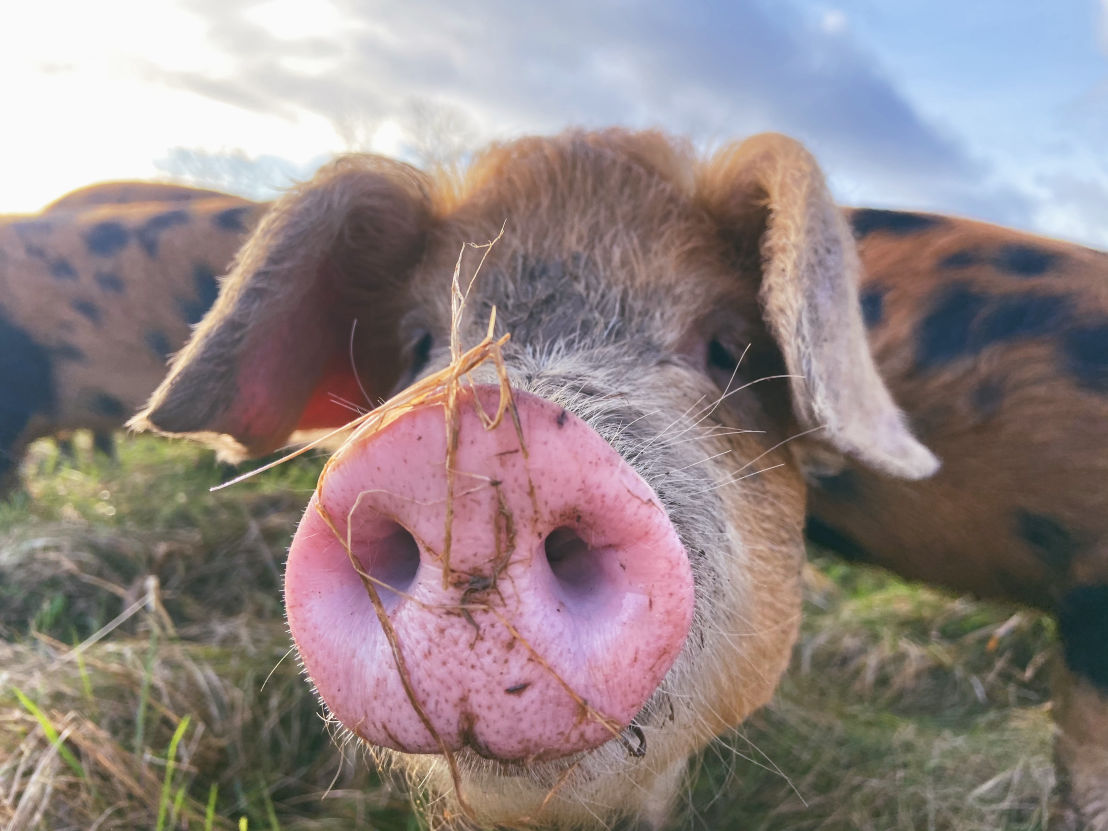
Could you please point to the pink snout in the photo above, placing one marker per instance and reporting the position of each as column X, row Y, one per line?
column 567, row 597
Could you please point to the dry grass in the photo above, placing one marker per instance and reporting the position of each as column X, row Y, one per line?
column 904, row 710
column 144, row 683
column 144, row 677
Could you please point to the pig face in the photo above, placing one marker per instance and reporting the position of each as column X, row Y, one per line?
column 539, row 616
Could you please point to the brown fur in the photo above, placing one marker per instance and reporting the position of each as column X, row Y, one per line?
column 101, row 314
column 686, row 262
column 1029, row 451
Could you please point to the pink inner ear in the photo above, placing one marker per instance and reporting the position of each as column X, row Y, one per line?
column 330, row 404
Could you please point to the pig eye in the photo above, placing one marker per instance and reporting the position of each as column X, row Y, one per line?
column 720, row 358
column 721, row 363
column 421, row 354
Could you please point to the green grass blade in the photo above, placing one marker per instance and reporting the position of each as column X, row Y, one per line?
column 51, row 733
column 209, row 811
column 170, row 765
column 270, row 811
column 86, row 681
column 144, row 692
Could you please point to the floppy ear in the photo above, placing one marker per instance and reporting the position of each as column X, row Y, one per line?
column 771, row 187
column 273, row 355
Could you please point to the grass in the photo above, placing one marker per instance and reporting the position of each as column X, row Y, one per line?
column 145, row 680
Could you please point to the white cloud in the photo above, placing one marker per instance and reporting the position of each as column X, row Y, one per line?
column 389, row 139
column 87, row 99
column 293, row 20
column 126, row 80
column 711, row 75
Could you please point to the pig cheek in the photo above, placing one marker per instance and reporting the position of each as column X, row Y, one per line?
column 759, row 598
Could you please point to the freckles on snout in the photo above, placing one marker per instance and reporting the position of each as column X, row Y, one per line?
column 559, row 604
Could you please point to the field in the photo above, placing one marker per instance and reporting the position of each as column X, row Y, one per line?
column 145, row 680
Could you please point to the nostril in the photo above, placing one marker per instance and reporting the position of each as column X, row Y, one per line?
column 392, row 557
column 575, row 565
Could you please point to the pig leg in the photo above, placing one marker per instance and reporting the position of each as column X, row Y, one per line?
column 103, row 441
column 66, row 448
column 1081, row 713
column 9, row 467
column 1081, row 756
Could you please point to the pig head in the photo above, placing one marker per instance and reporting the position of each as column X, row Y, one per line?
column 605, row 577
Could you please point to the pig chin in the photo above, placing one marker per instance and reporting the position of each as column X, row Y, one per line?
column 568, row 793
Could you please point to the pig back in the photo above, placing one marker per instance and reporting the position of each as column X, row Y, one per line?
column 996, row 345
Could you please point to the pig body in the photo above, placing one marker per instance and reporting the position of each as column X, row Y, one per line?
column 995, row 342
column 701, row 319
column 95, row 293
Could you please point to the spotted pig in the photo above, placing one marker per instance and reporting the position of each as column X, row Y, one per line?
column 539, row 618
column 96, row 291
column 996, row 344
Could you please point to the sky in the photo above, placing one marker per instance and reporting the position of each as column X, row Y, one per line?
column 993, row 109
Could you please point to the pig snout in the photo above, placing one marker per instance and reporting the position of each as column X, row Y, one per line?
column 561, row 602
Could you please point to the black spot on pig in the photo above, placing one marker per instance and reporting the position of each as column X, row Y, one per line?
column 33, row 233
column 150, row 230
column 1083, row 626
column 109, row 281
column 1019, row 316
column 945, row 332
column 107, row 238
column 1024, row 260
column 109, row 406
column 158, row 343
column 561, row 419
column 827, row 537
column 232, row 219
column 1085, row 351
column 206, row 286
column 33, row 229
column 899, row 223
column 873, row 305
column 27, row 378
column 1013, row 258
column 1051, row 541
column 963, row 322
column 987, row 398
column 87, row 309
column 62, row 270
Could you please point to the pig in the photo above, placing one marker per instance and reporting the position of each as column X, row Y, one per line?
column 96, row 291
column 996, row 344
column 539, row 591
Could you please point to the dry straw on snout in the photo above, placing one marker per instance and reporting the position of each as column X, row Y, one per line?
column 443, row 388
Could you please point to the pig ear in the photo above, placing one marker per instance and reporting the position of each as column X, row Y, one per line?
column 809, row 296
column 273, row 355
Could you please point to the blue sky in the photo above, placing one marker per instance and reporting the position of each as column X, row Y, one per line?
column 997, row 110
